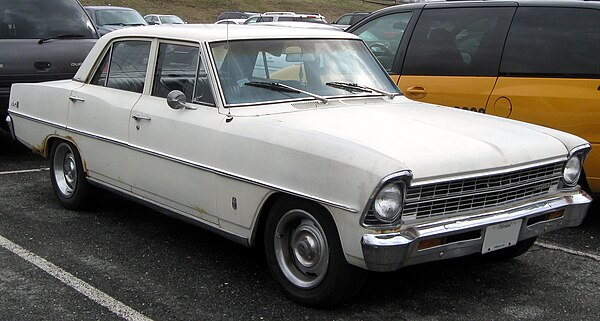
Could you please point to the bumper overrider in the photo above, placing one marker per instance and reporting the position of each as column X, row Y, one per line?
column 464, row 235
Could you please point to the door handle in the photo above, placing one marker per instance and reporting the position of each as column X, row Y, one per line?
column 140, row 118
column 416, row 92
column 75, row 98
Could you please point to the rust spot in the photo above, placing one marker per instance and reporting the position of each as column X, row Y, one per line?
column 200, row 210
column 85, row 169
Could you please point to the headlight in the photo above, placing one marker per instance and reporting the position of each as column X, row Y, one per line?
column 387, row 205
column 572, row 170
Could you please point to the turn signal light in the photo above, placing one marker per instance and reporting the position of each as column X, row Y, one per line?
column 429, row 243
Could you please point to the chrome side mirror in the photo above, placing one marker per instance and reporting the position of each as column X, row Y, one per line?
column 176, row 100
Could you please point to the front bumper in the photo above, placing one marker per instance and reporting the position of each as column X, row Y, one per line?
column 465, row 235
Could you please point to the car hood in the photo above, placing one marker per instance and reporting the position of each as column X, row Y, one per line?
column 431, row 141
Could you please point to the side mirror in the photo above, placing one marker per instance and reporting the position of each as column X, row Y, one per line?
column 176, row 100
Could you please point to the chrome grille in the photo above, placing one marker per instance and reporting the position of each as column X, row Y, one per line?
column 447, row 198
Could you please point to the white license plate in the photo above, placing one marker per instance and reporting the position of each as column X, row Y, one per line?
column 501, row 235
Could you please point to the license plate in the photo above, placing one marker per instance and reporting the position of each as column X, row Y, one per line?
column 501, row 235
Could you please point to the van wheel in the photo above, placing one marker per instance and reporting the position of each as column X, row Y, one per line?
column 68, row 178
column 305, row 256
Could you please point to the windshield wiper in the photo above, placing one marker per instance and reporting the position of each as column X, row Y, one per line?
column 285, row 88
column 356, row 87
column 62, row 36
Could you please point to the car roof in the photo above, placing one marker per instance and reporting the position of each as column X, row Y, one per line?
column 107, row 7
column 209, row 33
column 455, row 4
column 212, row 32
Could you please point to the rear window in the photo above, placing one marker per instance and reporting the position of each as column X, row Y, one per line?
column 33, row 19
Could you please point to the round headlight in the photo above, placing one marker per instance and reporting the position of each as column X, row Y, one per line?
column 572, row 170
column 388, row 203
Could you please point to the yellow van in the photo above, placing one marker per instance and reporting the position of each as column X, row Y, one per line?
column 534, row 61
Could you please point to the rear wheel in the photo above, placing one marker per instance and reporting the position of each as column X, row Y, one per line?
column 68, row 177
column 305, row 256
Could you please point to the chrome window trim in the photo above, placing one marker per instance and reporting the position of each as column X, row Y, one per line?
column 196, row 165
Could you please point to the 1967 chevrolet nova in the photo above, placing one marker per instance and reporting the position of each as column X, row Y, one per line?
column 297, row 141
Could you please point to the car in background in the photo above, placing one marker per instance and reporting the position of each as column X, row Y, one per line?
column 320, row 161
column 235, row 15
column 534, row 61
column 230, row 21
column 285, row 16
column 349, row 19
column 110, row 18
column 41, row 40
column 163, row 19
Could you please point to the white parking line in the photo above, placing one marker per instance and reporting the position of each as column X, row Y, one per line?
column 67, row 278
column 26, row 171
column 566, row 250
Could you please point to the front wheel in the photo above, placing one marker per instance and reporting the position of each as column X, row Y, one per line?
column 68, row 177
column 305, row 256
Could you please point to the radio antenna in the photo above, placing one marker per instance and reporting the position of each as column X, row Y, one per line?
column 229, row 118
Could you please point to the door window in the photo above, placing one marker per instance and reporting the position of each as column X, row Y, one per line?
column 124, row 66
column 177, row 69
column 383, row 36
column 458, row 42
column 553, row 42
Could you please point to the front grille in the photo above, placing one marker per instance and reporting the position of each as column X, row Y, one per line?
column 452, row 197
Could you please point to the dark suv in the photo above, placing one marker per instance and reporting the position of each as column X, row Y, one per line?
column 41, row 40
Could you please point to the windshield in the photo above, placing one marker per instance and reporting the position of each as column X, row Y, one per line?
column 171, row 20
column 309, row 65
column 119, row 17
column 36, row 19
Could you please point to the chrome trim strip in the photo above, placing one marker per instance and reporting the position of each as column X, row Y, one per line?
column 579, row 149
column 37, row 120
column 240, row 239
column 241, row 178
column 197, row 165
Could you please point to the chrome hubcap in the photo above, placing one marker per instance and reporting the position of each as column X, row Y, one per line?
column 65, row 170
column 301, row 249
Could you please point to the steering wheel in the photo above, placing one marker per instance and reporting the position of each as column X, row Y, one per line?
column 380, row 50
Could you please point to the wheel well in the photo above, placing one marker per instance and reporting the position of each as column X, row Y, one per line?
column 263, row 215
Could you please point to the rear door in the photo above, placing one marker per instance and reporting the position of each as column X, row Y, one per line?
column 454, row 54
column 550, row 75
column 99, row 111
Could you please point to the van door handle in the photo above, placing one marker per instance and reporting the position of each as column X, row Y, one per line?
column 75, row 98
column 416, row 92
column 140, row 118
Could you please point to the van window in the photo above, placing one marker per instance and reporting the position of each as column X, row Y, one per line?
column 383, row 36
column 36, row 19
column 553, row 42
column 458, row 42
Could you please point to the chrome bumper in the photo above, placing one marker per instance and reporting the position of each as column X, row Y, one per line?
column 11, row 129
column 465, row 235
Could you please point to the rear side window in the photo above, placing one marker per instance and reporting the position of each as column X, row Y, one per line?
column 124, row 66
column 36, row 19
column 458, row 42
column 553, row 42
column 383, row 36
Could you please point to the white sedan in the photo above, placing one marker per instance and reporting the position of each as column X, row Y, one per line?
column 297, row 141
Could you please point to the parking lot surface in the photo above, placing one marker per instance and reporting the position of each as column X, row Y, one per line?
column 120, row 260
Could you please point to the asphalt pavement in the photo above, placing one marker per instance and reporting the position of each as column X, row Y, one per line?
column 120, row 260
